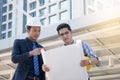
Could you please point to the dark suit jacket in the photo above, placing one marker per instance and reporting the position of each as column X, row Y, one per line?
column 20, row 55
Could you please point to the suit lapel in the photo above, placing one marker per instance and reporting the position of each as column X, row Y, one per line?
column 28, row 44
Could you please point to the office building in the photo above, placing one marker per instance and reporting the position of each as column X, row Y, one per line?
column 95, row 21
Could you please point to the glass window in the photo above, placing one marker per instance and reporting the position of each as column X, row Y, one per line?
column 42, row 2
column 4, row 1
column 9, row 34
column 10, row 16
column 24, row 23
column 25, row 5
column 43, row 21
column 4, row 18
column 9, row 25
column 3, row 28
column 4, row 9
column 64, row 15
column 10, row 7
column 3, row 35
column 33, row 14
column 91, row 2
column 99, row 6
column 53, row 19
column 64, row 5
column 42, row 12
column 53, row 8
column 33, row 5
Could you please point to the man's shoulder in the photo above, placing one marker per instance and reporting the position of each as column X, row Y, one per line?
column 19, row 40
column 82, row 42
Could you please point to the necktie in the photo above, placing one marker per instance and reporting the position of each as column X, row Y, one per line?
column 35, row 61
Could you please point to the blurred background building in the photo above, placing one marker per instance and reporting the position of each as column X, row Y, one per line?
column 94, row 21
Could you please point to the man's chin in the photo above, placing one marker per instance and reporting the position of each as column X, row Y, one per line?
column 35, row 38
column 66, row 41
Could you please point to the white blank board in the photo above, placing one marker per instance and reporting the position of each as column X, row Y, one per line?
column 64, row 63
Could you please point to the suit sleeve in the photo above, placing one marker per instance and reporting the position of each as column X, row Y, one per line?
column 17, row 56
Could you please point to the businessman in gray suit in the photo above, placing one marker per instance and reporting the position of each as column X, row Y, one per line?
column 27, row 53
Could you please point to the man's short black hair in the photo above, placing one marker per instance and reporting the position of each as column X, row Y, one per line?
column 63, row 25
column 28, row 27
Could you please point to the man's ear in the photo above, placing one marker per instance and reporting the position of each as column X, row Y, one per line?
column 59, row 37
column 27, row 30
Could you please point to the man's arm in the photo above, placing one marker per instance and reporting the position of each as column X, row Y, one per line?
column 93, row 59
column 18, row 56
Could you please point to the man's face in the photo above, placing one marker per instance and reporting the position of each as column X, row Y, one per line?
column 34, row 32
column 65, row 35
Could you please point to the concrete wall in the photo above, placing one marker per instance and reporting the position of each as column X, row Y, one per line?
column 77, row 8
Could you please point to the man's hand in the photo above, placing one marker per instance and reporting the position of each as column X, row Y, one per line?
column 45, row 68
column 84, row 63
column 92, row 61
column 36, row 51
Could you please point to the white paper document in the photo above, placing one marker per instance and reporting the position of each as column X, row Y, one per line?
column 64, row 63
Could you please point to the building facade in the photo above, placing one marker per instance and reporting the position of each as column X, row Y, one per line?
column 14, row 13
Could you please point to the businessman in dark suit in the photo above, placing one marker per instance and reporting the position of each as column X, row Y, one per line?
column 27, row 53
